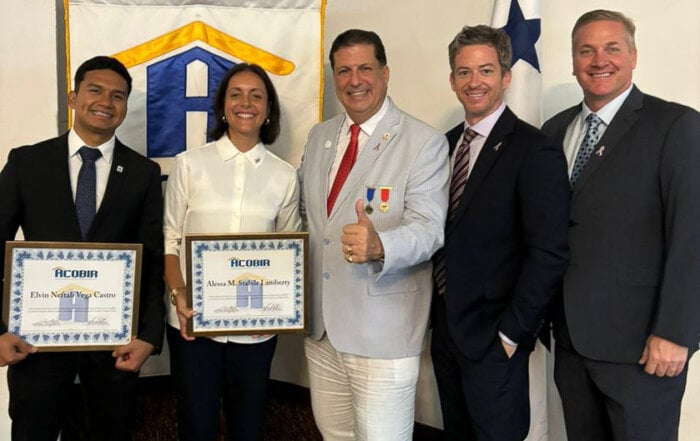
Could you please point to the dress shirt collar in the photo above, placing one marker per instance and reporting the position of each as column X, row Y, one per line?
column 608, row 111
column 484, row 127
column 75, row 143
column 227, row 151
column 371, row 124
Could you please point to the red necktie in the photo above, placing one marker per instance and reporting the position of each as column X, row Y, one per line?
column 344, row 168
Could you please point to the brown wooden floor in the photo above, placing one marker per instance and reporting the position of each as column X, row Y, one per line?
column 288, row 418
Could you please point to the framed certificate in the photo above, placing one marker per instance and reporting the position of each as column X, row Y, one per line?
column 62, row 296
column 247, row 283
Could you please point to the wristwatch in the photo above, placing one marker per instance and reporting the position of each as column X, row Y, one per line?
column 173, row 294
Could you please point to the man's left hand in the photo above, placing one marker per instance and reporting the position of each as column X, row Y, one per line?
column 132, row 356
column 663, row 357
column 361, row 243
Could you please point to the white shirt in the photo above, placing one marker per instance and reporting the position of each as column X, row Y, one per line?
column 102, row 164
column 366, row 130
column 217, row 189
column 577, row 128
column 483, row 129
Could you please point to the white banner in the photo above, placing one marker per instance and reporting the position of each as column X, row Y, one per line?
column 177, row 51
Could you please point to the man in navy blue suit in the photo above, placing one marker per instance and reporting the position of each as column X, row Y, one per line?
column 505, row 248
column 629, row 319
column 38, row 187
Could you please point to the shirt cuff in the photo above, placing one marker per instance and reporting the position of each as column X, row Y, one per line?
column 506, row 340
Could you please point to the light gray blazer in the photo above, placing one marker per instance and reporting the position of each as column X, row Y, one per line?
column 375, row 310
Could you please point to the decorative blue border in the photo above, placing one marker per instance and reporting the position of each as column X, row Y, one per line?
column 22, row 255
column 295, row 321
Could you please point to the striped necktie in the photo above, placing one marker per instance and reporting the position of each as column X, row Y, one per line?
column 460, row 172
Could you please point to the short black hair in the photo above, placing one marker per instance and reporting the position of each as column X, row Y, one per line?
column 353, row 37
column 102, row 62
column 271, row 129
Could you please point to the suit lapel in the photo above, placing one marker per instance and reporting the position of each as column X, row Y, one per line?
column 58, row 164
column 58, row 167
column 619, row 126
column 118, row 172
column 493, row 146
column 376, row 145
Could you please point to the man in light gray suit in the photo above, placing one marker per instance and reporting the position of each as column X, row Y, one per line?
column 629, row 321
column 374, row 194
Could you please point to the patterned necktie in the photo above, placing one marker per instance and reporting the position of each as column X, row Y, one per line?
column 86, row 193
column 344, row 169
column 460, row 172
column 587, row 145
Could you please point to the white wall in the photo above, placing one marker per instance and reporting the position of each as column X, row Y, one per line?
column 28, row 109
column 416, row 34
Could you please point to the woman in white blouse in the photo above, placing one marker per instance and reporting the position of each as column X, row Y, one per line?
column 234, row 184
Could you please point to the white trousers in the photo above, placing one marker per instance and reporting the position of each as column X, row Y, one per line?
column 358, row 398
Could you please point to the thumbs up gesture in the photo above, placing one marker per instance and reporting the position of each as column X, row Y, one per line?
column 360, row 240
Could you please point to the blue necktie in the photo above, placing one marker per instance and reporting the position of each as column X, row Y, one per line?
column 86, row 193
column 587, row 145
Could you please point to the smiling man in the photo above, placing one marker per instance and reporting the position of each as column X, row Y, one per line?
column 629, row 320
column 374, row 194
column 505, row 248
column 44, row 191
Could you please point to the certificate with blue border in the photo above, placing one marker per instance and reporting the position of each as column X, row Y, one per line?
column 61, row 296
column 247, row 283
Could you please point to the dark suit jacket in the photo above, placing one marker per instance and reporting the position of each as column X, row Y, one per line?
column 635, row 232
column 35, row 194
column 506, row 250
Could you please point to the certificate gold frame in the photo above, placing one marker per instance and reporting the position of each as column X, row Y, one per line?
column 253, row 283
column 72, row 296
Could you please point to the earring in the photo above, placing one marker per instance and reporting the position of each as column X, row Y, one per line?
column 223, row 118
column 267, row 121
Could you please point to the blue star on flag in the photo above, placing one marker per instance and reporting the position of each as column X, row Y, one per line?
column 523, row 35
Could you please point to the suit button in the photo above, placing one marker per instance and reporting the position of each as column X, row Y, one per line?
column 326, row 241
column 326, row 276
column 572, row 223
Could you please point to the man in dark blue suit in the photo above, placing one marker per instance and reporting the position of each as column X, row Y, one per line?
column 38, row 187
column 505, row 248
column 630, row 315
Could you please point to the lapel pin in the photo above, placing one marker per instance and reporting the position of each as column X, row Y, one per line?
column 497, row 147
column 600, row 151
column 328, row 144
column 386, row 136
column 120, row 169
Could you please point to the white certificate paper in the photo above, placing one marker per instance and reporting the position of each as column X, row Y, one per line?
column 80, row 296
column 247, row 284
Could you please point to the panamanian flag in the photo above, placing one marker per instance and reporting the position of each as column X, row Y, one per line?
column 521, row 20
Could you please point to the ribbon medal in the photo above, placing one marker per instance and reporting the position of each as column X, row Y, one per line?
column 384, row 196
column 370, row 196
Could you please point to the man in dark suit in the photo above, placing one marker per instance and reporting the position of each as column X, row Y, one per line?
column 37, row 189
column 629, row 319
column 505, row 248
